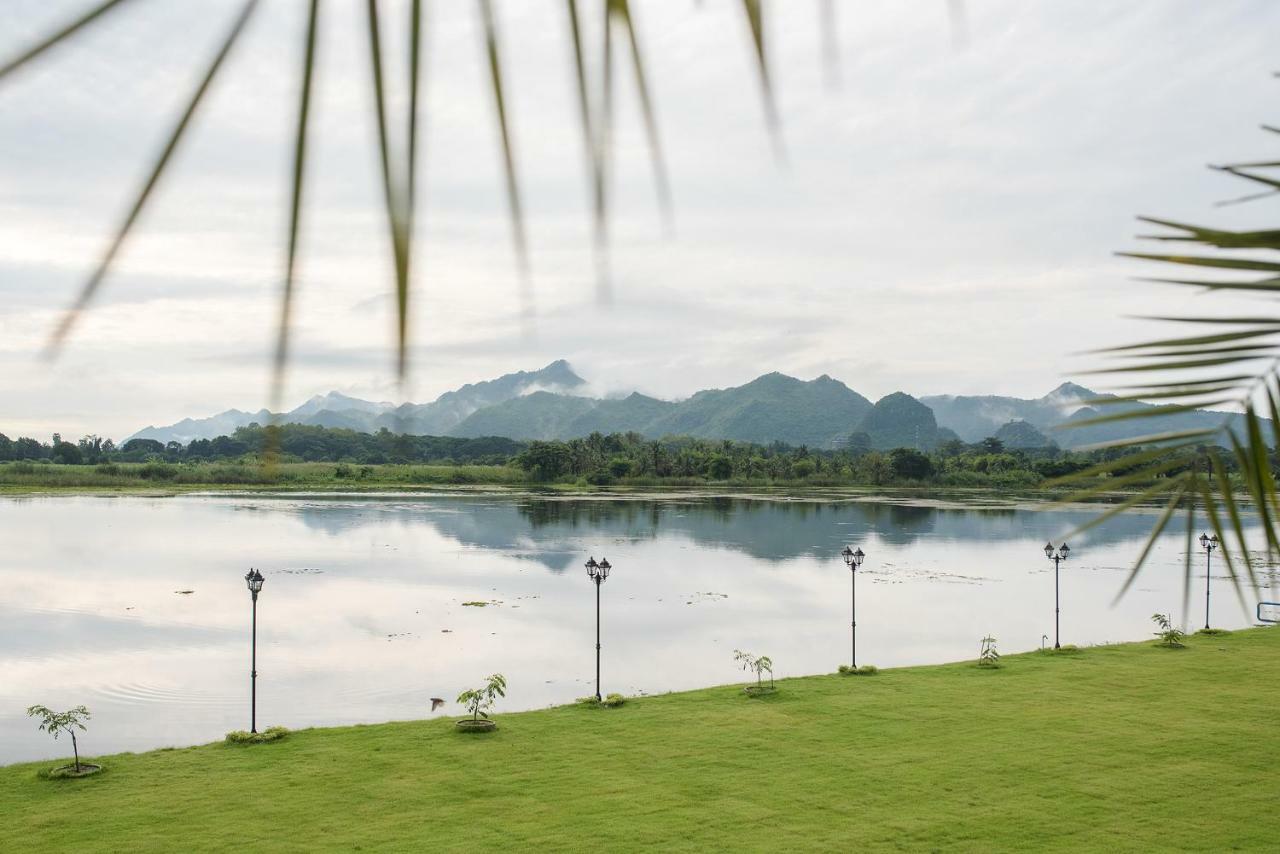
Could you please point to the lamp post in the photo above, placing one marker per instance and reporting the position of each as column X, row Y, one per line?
column 254, row 581
column 1057, row 557
column 598, row 572
column 853, row 559
column 1207, row 543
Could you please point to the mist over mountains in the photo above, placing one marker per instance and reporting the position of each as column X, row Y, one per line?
column 820, row 413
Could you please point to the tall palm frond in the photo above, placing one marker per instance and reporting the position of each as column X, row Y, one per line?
column 1225, row 362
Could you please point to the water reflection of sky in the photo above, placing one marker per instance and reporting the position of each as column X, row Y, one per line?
column 362, row 618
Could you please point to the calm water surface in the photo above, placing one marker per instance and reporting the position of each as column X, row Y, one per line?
column 137, row 607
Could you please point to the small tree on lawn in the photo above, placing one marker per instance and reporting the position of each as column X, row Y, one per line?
column 759, row 664
column 1169, row 634
column 56, row 723
column 479, row 700
column 987, row 655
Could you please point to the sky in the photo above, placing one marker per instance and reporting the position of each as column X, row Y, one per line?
column 939, row 213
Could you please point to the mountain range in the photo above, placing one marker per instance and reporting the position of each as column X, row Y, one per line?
column 820, row 413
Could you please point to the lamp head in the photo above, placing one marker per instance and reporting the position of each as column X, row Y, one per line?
column 847, row 554
column 592, row 566
column 858, row 557
column 253, row 580
column 1048, row 550
column 603, row 568
column 1064, row 550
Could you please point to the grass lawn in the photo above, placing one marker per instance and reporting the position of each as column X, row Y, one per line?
column 1120, row 748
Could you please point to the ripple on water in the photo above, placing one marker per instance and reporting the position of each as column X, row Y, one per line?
column 141, row 693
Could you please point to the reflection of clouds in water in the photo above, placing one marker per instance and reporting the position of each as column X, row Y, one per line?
column 21, row 632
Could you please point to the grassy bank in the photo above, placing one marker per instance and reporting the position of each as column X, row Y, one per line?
column 1123, row 748
column 188, row 477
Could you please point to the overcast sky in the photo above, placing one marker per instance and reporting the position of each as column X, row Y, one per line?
column 944, row 219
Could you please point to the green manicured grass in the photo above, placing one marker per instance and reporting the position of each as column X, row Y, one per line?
column 1120, row 748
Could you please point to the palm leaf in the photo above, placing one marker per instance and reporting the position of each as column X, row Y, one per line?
column 1215, row 522
column 1195, row 340
column 57, row 37
column 90, row 287
column 620, row 10
column 754, row 10
column 1161, row 523
column 397, row 219
column 295, row 207
column 411, row 177
column 508, row 155
column 591, row 148
column 1205, row 261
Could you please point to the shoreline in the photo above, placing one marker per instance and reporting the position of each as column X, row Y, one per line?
column 966, row 498
column 1071, row 652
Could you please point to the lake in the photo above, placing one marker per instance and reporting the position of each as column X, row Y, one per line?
column 137, row 606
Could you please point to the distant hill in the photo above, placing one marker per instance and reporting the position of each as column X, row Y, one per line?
column 774, row 407
column 451, row 409
column 1023, row 434
column 975, row 418
column 899, row 420
column 1057, row 413
column 770, row 408
column 335, row 409
column 820, row 413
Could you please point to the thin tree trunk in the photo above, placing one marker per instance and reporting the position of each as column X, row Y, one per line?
column 75, row 749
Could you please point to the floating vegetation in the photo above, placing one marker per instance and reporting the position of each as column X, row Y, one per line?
column 480, row 603
column 184, row 592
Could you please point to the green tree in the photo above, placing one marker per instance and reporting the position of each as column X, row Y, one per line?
column 546, row 460
column 874, row 468
column 910, row 464
column 67, row 453
column 720, row 467
column 56, row 723
column 478, row 701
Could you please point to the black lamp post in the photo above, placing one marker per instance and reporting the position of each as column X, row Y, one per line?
column 1057, row 557
column 853, row 559
column 598, row 572
column 1207, row 543
column 254, row 580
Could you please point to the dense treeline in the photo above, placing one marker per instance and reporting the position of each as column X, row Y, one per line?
column 293, row 442
column 629, row 457
column 595, row 459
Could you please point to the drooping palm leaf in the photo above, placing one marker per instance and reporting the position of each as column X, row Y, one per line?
column 90, row 287
column 394, row 195
column 1246, row 352
column 399, row 183
column 58, row 36
column 754, row 10
column 592, row 143
column 508, row 155
column 295, row 207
